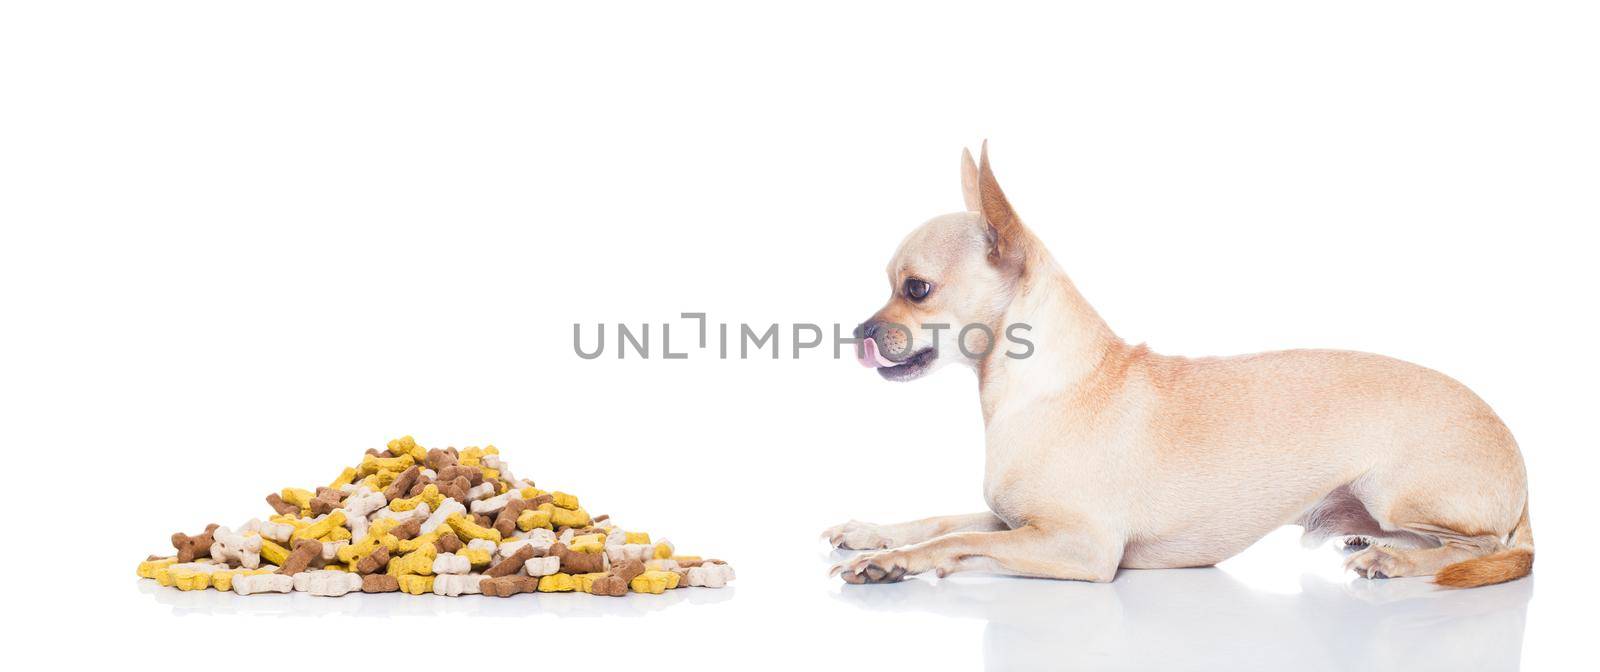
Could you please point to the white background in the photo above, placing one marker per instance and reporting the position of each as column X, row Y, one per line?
column 242, row 244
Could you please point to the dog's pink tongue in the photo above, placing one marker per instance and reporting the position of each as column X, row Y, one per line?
column 871, row 358
column 868, row 354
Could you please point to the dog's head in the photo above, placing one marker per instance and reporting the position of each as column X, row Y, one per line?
column 950, row 282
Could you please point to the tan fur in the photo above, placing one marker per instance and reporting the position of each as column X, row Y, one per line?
column 1103, row 455
column 1497, row 567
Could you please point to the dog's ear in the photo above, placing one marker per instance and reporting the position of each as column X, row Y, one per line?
column 1005, row 229
column 969, row 182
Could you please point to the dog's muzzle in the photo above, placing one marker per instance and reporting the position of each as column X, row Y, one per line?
column 872, row 351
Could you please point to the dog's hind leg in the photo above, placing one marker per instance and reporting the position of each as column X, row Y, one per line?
column 1037, row 550
column 1461, row 560
column 1379, row 562
column 1481, row 537
column 857, row 535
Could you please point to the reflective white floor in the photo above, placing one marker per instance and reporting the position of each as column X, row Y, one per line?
column 1206, row 619
column 1276, row 608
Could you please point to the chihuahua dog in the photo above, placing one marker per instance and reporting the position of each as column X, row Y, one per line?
column 1103, row 455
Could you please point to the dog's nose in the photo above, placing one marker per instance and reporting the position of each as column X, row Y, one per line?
column 867, row 330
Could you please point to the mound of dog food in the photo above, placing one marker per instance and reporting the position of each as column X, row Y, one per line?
column 442, row 521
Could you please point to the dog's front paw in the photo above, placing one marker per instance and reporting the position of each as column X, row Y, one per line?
column 1378, row 562
column 858, row 536
column 879, row 567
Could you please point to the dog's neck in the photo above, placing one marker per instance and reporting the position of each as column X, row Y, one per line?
column 1070, row 340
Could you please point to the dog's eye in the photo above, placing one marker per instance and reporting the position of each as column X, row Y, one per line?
column 917, row 290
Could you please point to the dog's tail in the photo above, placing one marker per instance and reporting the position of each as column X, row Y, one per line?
column 1513, row 562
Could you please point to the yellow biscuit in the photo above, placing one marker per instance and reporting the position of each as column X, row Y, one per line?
column 223, row 579
column 297, row 496
column 419, row 561
column 565, row 518
column 416, row 585
column 320, row 528
column 406, row 445
column 584, row 583
column 468, row 530
column 588, row 543
column 372, row 464
column 556, row 583
column 187, row 578
column 654, row 581
column 479, row 557
column 530, row 519
column 382, row 526
column 147, row 569
column 273, row 553
column 356, row 551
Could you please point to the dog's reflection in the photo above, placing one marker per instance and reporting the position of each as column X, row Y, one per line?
column 1205, row 619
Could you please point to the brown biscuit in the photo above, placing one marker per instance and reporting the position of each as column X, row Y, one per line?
column 305, row 551
column 615, row 584
column 610, row 585
column 198, row 546
column 573, row 562
column 402, row 483
column 276, row 502
column 438, row 459
column 374, row 561
column 506, row 586
column 483, row 519
column 326, row 501
column 506, row 522
column 473, row 475
column 541, row 499
column 512, row 563
column 627, row 570
column 447, row 543
column 379, row 583
column 602, row 518
column 407, row 530
column 455, row 489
